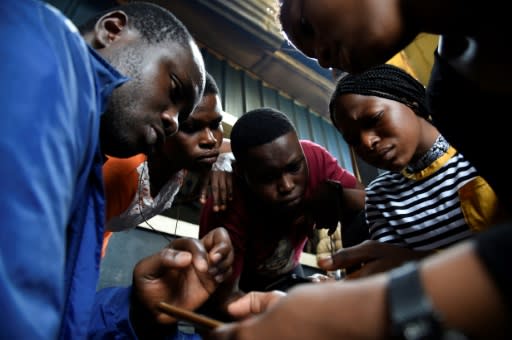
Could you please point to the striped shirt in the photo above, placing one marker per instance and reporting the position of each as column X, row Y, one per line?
column 432, row 208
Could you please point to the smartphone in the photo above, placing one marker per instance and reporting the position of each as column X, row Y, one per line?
column 287, row 282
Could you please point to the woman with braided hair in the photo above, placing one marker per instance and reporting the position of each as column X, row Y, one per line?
column 430, row 197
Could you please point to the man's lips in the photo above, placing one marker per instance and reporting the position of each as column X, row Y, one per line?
column 291, row 201
column 386, row 153
column 208, row 158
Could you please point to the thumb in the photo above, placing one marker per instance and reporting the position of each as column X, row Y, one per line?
column 153, row 266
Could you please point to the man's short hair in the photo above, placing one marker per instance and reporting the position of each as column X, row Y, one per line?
column 258, row 127
column 210, row 86
column 155, row 23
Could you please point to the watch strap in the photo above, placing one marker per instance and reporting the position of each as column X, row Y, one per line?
column 411, row 311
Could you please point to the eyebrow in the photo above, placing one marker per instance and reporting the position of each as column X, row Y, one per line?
column 193, row 120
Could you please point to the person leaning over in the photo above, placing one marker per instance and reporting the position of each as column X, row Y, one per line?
column 62, row 112
column 140, row 187
column 283, row 189
column 430, row 197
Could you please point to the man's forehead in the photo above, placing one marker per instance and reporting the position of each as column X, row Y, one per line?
column 290, row 14
column 275, row 153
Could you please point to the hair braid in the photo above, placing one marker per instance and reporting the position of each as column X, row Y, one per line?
column 384, row 81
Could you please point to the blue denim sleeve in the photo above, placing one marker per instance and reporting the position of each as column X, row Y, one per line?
column 111, row 317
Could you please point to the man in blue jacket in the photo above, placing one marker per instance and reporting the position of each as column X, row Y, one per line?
column 65, row 107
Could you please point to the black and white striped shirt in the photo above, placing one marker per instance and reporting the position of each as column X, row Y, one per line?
column 421, row 211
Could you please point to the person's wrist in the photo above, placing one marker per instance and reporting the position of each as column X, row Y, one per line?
column 411, row 312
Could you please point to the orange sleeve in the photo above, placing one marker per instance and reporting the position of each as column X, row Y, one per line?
column 121, row 181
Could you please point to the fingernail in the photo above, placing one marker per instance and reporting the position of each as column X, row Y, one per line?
column 327, row 260
column 216, row 257
column 175, row 255
column 202, row 265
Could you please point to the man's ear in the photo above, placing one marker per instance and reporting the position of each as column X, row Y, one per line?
column 108, row 29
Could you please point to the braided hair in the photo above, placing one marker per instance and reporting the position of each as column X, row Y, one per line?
column 385, row 81
column 257, row 127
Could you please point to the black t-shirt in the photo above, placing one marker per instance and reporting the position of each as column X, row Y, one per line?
column 473, row 121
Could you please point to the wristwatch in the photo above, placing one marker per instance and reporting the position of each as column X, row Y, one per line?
column 411, row 311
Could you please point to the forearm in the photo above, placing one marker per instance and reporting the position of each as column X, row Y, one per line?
column 351, row 205
column 353, row 200
column 462, row 291
column 455, row 280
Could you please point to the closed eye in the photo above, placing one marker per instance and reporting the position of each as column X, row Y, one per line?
column 372, row 121
column 188, row 127
column 176, row 90
column 216, row 123
column 294, row 166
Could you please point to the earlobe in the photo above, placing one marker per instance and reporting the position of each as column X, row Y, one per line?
column 108, row 28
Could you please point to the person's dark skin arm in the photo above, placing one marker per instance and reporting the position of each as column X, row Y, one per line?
column 371, row 257
column 456, row 281
column 184, row 274
column 331, row 203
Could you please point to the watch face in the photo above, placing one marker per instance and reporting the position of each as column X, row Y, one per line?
column 421, row 328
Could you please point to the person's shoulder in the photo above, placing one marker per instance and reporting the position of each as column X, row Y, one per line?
column 312, row 149
column 308, row 144
column 123, row 165
column 383, row 180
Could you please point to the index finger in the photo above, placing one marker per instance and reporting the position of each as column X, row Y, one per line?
column 348, row 257
column 205, row 186
column 195, row 248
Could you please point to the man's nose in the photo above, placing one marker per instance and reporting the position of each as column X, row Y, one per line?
column 285, row 184
column 208, row 139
